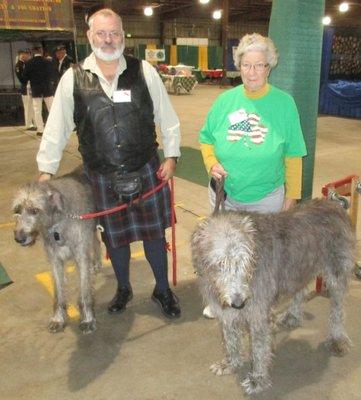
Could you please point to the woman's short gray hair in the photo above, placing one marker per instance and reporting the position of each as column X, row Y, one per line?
column 256, row 42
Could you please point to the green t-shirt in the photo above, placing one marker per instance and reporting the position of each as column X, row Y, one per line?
column 251, row 139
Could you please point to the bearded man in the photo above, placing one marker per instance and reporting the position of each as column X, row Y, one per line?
column 113, row 102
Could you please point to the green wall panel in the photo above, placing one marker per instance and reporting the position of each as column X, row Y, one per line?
column 296, row 29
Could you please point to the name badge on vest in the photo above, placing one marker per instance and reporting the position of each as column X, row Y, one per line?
column 122, row 96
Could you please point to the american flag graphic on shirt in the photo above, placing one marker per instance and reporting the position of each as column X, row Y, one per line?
column 249, row 128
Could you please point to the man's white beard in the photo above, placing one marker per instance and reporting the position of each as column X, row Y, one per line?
column 108, row 56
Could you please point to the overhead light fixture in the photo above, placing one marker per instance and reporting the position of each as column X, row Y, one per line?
column 128, row 35
column 204, row 1
column 343, row 7
column 217, row 14
column 326, row 20
column 148, row 11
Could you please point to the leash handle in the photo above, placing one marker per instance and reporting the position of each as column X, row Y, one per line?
column 219, row 202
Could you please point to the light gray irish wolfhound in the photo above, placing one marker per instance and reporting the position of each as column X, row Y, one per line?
column 246, row 261
column 46, row 209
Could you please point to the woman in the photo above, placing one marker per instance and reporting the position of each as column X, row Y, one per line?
column 252, row 136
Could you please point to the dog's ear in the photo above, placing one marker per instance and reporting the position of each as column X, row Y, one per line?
column 55, row 199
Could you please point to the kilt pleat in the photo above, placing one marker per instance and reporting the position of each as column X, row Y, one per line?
column 144, row 221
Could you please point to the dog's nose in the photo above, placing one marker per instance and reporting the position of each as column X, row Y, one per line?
column 20, row 240
column 20, row 237
column 238, row 305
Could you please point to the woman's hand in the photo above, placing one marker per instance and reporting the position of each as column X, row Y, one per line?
column 288, row 203
column 217, row 171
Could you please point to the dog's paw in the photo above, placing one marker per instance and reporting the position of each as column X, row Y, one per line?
column 339, row 347
column 56, row 326
column 88, row 327
column 256, row 383
column 288, row 320
column 223, row 367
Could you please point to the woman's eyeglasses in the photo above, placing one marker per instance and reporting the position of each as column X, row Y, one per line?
column 259, row 67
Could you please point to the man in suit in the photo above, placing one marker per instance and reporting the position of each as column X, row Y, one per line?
column 38, row 70
column 61, row 63
column 22, row 58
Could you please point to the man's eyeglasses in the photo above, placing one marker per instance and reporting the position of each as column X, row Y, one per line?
column 112, row 34
column 259, row 67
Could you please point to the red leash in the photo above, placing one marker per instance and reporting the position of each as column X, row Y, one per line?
column 145, row 196
column 174, row 253
column 121, row 207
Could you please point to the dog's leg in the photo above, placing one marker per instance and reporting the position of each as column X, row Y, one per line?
column 338, row 342
column 261, row 342
column 232, row 339
column 58, row 321
column 87, row 323
column 292, row 317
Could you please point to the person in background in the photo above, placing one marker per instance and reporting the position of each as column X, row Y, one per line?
column 38, row 71
column 61, row 63
column 252, row 137
column 22, row 58
column 113, row 101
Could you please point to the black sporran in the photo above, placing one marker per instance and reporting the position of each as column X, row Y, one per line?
column 127, row 187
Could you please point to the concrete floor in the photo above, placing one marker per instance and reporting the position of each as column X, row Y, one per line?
column 138, row 355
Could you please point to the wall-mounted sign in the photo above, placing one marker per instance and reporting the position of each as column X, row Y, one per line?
column 155, row 55
column 36, row 14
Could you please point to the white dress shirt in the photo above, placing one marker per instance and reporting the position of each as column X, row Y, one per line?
column 60, row 123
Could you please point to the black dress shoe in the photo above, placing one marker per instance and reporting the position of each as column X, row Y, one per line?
column 168, row 303
column 122, row 297
column 39, row 133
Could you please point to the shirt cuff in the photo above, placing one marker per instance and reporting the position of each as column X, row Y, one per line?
column 209, row 158
column 293, row 177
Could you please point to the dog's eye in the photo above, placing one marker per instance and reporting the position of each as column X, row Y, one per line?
column 33, row 211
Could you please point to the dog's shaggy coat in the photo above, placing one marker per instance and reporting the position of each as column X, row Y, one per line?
column 247, row 261
column 46, row 209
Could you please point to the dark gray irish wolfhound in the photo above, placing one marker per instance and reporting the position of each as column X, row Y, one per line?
column 246, row 261
column 45, row 209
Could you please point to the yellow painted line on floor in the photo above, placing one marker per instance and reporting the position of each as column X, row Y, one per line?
column 7, row 225
column 46, row 280
column 137, row 254
column 201, row 217
column 178, row 204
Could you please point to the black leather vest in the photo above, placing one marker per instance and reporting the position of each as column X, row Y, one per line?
column 114, row 136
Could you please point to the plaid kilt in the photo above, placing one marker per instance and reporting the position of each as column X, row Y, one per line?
column 144, row 221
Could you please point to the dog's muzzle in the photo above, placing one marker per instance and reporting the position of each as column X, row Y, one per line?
column 23, row 238
column 238, row 306
column 238, row 301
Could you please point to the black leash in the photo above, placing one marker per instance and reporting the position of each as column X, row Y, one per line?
column 220, row 196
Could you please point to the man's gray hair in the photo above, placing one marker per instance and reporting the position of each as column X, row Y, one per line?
column 105, row 12
column 256, row 42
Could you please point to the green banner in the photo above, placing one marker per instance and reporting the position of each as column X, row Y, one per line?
column 36, row 14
